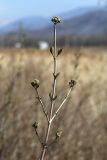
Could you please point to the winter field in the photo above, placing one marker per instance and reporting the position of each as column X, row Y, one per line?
column 83, row 119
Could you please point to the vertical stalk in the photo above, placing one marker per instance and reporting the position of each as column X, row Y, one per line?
column 45, row 146
column 55, row 69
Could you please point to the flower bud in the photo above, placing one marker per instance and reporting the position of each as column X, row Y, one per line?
column 59, row 51
column 56, row 20
column 72, row 83
column 52, row 50
column 35, row 83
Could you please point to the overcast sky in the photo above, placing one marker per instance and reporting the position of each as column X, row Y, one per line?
column 15, row 9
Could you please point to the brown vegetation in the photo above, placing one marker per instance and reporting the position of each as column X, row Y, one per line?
column 83, row 119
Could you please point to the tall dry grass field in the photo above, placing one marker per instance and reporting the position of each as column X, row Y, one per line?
column 83, row 120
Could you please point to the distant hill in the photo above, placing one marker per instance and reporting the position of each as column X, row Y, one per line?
column 35, row 23
column 79, row 11
column 89, row 24
column 84, row 22
column 25, row 23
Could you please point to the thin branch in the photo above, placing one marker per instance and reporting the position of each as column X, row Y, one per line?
column 65, row 99
column 53, row 95
column 42, row 104
column 38, row 137
column 55, row 69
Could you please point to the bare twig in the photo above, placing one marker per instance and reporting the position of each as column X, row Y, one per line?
column 42, row 104
column 38, row 137
column 65, row 99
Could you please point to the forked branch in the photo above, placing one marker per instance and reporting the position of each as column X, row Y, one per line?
column 50, row 116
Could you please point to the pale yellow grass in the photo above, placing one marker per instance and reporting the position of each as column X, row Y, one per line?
column 83, row 119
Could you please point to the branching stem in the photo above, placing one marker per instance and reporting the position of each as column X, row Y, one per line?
column 50, row 115
column 43, row 106
column 61, row 105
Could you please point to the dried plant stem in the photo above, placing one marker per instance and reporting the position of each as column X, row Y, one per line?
column 61, row 105
column 38, row 137
column 42, row 104
column 52, row 102
column 50, row 116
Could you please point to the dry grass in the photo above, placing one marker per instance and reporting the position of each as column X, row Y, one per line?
column 83, row 120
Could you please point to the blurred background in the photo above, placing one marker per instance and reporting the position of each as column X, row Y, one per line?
column 26, row 34
column 27, row 24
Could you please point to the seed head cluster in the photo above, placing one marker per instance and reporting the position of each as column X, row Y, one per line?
column 56, row 20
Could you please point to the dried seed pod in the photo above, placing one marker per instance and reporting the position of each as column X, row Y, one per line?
column 35, row 83
column 35, row 125
column 72, row 83
column 56, row 20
